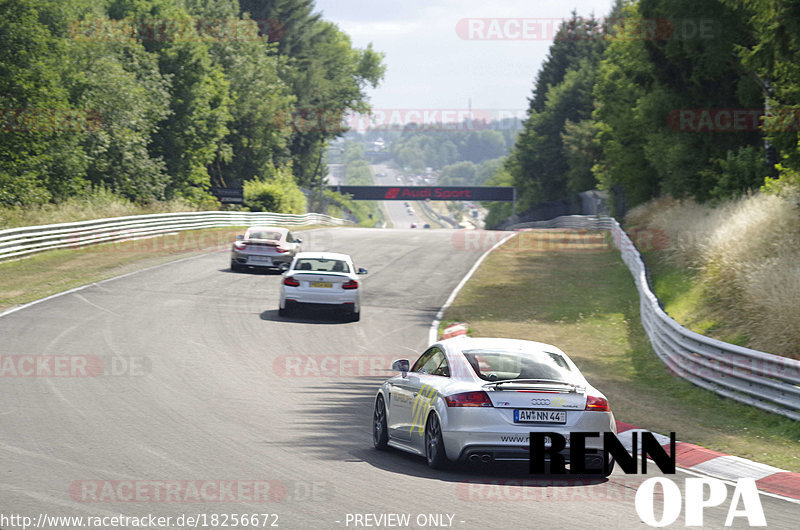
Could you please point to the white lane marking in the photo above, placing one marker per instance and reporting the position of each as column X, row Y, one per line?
column 101, row 308
column 433, row 332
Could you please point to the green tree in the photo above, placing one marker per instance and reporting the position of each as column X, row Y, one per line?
column 40, row 153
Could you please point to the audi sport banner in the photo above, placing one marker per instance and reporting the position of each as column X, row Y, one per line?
column 434, row 193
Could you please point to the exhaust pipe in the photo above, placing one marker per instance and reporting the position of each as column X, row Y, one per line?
column 486, row 458
column 474, row 457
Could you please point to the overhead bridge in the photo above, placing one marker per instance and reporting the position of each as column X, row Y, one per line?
column 433, row 193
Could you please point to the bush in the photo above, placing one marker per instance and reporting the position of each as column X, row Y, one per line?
column 96, row 203
column 277, row 192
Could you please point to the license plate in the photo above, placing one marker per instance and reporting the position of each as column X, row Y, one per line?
column 261, row 258
column 539, row 416
column 324, row 285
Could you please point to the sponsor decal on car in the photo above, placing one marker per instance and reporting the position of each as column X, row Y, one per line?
column 426, row 395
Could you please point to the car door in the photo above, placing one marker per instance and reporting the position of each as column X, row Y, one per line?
column 403, row 391
column 431, row 373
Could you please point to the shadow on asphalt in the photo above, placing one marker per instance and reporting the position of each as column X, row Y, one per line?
column 342, row 415
column 254, row 270
column 308, row 316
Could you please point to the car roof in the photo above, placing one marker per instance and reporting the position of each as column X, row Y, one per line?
column 462, row 343
column 323, row 255
column 267, row 229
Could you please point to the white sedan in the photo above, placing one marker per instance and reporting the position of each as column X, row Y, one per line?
column 478, row 400
column 322, row 279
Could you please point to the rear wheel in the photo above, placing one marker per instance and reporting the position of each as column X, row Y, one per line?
column 285, row 310
column 355, row 316
column 235, row 267
column 380, row 433
column 434, row 444
column 609, row 468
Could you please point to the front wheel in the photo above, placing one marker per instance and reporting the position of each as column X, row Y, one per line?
column 434, row 444
column 380, row 430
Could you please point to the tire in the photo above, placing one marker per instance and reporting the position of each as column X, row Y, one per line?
column 235, row 267
column 355, row 316
column 380, row 429
column 611, row 462
column 434, row 444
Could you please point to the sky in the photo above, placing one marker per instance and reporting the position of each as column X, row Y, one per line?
column 442, row 54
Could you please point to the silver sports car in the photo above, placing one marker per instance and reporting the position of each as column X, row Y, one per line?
column 264, row 247
column 478, row 400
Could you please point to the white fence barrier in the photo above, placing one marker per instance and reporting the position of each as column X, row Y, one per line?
column 19, row 242
column 769, row 382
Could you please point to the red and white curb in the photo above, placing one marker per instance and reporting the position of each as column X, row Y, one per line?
column 454, row 330
column 719, row 465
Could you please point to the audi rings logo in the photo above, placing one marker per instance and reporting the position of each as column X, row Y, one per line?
column 540, row 402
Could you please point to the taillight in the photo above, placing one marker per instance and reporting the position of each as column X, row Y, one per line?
column 280, row 250
column 239, row 245
column 478, row 398
column 599, row 404
column 291, row 282
column 352, row 284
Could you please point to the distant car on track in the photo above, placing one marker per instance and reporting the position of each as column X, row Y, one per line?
column 322, row 279
column 478, row 400
column 413, row 225
column 264, row 247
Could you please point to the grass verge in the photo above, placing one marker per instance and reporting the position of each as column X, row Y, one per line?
column 55, row 271
column 687, row 300
column 578, row 295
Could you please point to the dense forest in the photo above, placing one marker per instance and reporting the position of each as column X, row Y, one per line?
column 162, row 99
column 679, row 97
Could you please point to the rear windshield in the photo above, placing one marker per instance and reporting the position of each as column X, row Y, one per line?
column 495, row 365
column 274, row 236
column 321, row 265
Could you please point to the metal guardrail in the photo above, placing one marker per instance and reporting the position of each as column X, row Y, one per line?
column 769, row 382
column 20, row 242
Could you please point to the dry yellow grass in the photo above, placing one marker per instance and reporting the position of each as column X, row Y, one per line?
column 99, row 204
column 747, row 253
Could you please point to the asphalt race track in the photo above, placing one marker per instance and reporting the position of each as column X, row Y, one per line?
column 215, row 405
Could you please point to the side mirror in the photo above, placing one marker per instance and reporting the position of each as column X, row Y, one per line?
column 401, row 366
column 361, row 270
column 298, row 240
column 239, row 237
